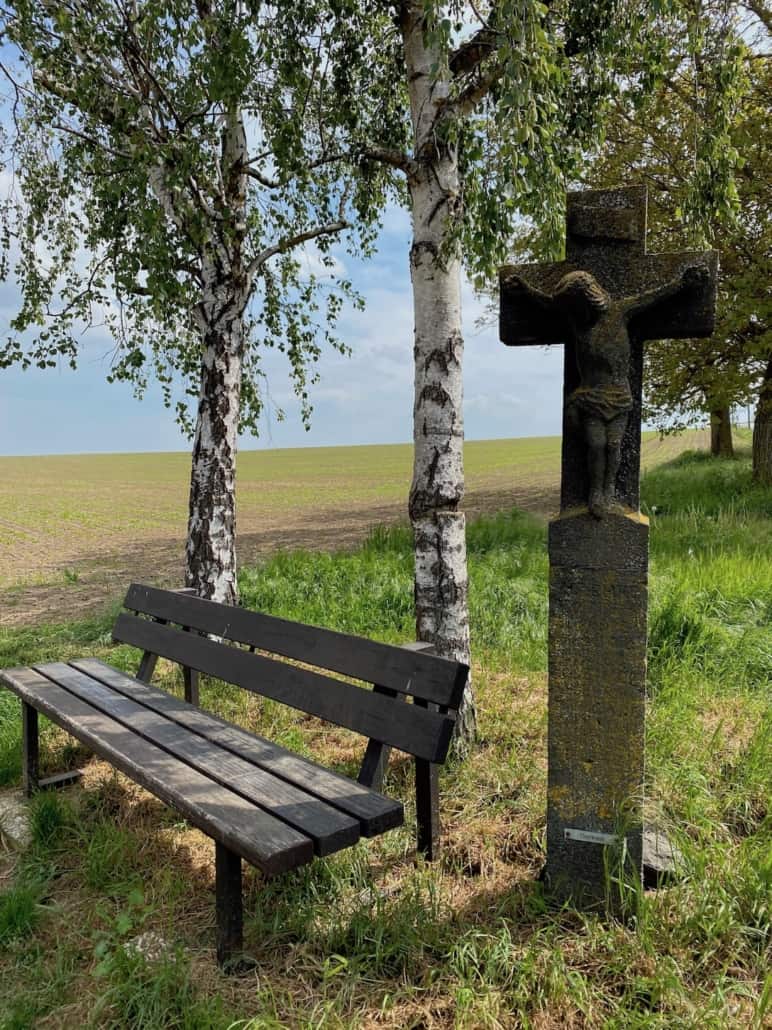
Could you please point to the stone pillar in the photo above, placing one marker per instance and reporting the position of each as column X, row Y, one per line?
column 597, row 672
column 602, row 302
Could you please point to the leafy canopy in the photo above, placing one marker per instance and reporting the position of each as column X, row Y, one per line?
column 700, row 141
column 150, row 146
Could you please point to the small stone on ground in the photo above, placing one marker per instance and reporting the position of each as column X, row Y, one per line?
column 661, row 858
column 151, row 945
column 15, row 826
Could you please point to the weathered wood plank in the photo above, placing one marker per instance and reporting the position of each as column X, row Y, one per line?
column 415, row 730
column 418, row 674
column 375, row 812
column 61, row 779
column 244, row 828
column 329, row 829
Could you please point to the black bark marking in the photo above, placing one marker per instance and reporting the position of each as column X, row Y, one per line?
column 432, row 471
column 419, row 247
column 440, row 203
column 424, row 502
column 446, row 592
column 445, row 356
column 437, row 393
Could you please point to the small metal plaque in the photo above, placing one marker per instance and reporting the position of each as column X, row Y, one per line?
column 590, row 836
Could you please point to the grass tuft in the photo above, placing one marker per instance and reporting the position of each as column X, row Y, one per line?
column 19, row 912
column 50, row 816
column 140, row 994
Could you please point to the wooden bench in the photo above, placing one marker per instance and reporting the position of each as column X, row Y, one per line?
column 257, row 800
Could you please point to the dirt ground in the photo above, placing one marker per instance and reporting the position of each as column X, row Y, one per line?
column 66, row 570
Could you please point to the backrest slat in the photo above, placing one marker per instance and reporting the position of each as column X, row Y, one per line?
column 410, row 728
column 420, row 675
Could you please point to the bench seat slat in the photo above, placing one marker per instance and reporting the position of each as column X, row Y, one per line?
column 428, row 677
column 259, row 838
column 375, row 813
column 417, row 731
column 329, row 829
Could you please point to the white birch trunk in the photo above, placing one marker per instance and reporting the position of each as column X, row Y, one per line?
column 211, row 543
column 441, row 583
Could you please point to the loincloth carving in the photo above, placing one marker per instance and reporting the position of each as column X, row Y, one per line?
column 603, row 402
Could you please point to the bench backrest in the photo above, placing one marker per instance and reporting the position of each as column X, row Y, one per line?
column 398, row 673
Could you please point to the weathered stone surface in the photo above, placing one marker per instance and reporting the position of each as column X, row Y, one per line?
column 15, row 825
column 602, row 303
column 577, row 540
column 662, row 859
column 597, row 666
column 606, row 237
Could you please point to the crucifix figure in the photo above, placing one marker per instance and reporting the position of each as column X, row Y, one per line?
column 602, row 303
column 599, row 329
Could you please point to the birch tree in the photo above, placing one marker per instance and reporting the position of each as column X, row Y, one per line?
column 503, row 99
column 168, row 162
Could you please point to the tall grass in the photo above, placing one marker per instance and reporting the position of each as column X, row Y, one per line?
column 370, row 591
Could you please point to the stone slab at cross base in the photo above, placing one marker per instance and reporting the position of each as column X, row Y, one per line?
column 662, row 859
column 597, row 668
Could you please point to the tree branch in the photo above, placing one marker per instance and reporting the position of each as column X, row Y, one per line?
column 282, row 246
column 275, row 184
column 92, row 140
column 468, row 99
column 388, row 156
column 473, row 52
column 270, row 184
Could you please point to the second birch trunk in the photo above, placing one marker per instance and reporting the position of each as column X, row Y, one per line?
column 437, row 490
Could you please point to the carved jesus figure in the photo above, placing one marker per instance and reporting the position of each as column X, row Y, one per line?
column 599, row 328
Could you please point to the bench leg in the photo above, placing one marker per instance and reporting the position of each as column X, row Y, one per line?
column 376, row 760
column 147, row 666
column 190, row 679
column 30, row 749
column 427, row 806
column 230, row 921
column 427, row 799
column 374, row 765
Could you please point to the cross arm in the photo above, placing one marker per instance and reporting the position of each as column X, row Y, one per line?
column 531, row 293
column 676, row 297
column 527, row 315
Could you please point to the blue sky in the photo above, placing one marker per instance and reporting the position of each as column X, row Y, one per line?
column 362, row 399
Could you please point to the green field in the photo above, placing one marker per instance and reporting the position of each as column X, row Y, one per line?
column 369, row 938
column 73, row 527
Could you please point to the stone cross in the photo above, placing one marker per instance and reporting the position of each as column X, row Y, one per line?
column 602, row 303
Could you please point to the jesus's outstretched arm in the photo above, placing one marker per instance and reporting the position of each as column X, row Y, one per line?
column 519, row 285
column 693, row 277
